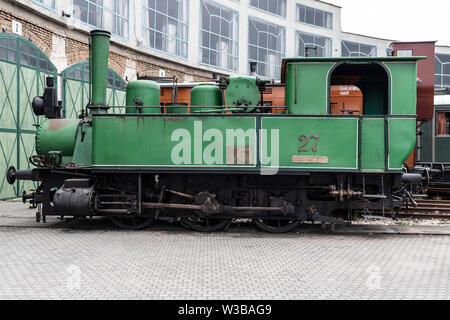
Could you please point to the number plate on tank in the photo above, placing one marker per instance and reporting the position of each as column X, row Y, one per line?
column 309, row 159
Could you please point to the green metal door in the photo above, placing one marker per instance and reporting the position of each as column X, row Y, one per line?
column 76, row 90
column 23, row 69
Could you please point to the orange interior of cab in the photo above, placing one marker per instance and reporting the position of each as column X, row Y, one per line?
column 346, row 100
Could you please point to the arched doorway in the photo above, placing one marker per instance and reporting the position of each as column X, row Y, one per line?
column 76, row 89
column 371, row 79
column 23, row 69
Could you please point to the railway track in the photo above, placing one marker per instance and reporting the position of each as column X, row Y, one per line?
column 427, row 209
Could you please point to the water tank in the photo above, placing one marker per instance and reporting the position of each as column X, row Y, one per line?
column 206, row 95
column 143, row 93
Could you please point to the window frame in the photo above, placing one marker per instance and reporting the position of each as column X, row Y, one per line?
column 45, row 6
column 446, row 123
column 441, row 75
column 201, row 30
column 144, row 27
column 269, row 12
column 297, row 18
column 298, row 32
column 249, row 20
column 116, row 15
column 359, row 48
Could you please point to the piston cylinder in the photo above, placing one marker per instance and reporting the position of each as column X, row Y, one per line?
column 74, row 198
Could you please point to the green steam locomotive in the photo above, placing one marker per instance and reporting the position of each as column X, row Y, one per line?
column 227, row 156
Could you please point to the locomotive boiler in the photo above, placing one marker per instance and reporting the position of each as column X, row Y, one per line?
column 226, row 156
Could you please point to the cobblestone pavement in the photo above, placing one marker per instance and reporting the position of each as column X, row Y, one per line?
column 93, row 260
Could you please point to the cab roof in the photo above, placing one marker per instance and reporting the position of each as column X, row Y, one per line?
column 343, row 59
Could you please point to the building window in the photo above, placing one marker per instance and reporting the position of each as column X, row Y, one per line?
column 46, row 3
column 442, row 123
column 314, row 16
column 266, row 46
column 277, row 7
column 8, row 49
column 219, row 34
column 110, row 15
column 442, row 71
column 311, row 45
column 355, row 49
column 165, row 26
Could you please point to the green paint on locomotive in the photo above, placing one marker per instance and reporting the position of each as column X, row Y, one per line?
column 403, row 87
column 402, row 139
column 82, row 156
column 315, row 143
column 170, row 141
column 206, row 95
column 242, row 91
column 373, row 144
column 177, row 108
column 309, row 138
column 143, row 93
column 57, row 135
column 307, row 87
column 99, row 65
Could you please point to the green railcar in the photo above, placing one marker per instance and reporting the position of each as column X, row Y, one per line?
column 231, row 158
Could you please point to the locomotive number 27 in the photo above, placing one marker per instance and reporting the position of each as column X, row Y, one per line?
column 304, row 139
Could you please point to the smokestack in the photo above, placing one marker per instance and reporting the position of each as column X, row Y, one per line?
column 98, row 67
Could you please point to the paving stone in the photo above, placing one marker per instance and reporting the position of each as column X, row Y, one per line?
column 93, row 260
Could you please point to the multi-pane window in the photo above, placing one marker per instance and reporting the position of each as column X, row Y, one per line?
column 165, row 25
column 266, row 46
column 29, row 56
column 314, row 16
column 46, row 3
column 219, row 34
column 81, row 73
column 8, row 49
column 442, row 71
column 110, row 15
column 355, row 49
column 273, row 6
column 311, row 45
